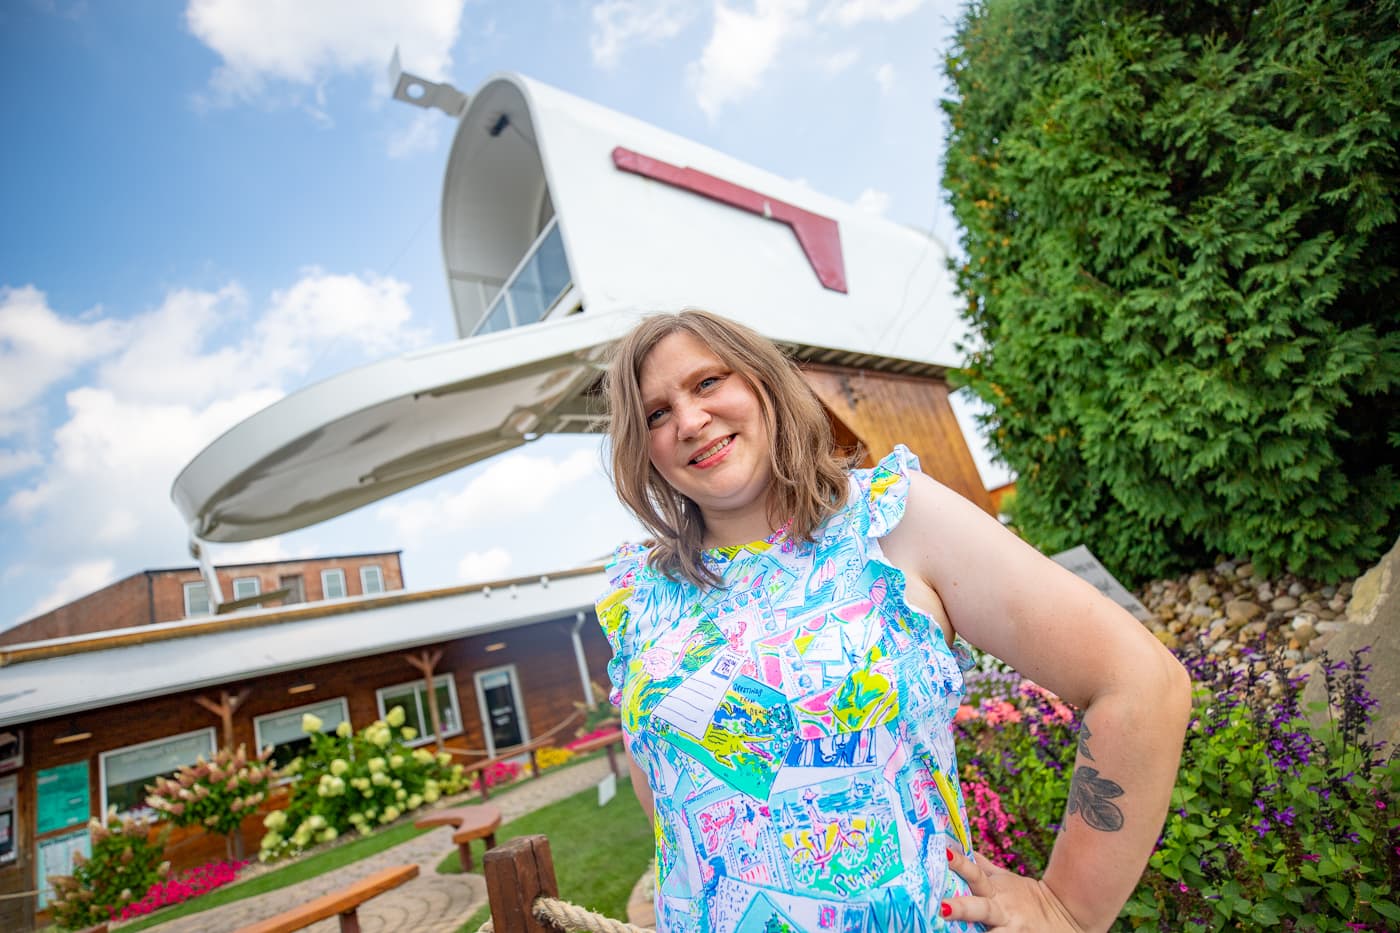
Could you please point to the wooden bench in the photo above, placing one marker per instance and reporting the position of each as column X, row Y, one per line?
column 609, row 741
column 342, row 903
column 479, row 821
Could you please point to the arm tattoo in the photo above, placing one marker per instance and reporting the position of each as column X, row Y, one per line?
column 1091, row 796
column 1084, row 736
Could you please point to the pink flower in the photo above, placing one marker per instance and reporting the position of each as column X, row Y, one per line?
column 965, row 713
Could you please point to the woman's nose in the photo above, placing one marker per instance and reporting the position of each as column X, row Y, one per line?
column 691, row 419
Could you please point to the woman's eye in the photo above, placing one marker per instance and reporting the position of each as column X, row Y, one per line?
column 655, row 417
column 708, row 382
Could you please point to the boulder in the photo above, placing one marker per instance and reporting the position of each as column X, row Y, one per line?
column 1373, row 619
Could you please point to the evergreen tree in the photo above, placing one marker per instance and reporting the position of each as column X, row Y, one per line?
column 1182, row 244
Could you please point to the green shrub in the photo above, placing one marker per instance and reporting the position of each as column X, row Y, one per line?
column 1182, row 243
column 1275, row 822
column 125, row 862
column 356, row 781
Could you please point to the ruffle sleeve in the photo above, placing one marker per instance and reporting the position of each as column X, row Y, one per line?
column 885, row 490
column 614, row 611
column 884, row 493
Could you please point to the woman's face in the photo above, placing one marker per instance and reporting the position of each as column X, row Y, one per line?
column 707, row 437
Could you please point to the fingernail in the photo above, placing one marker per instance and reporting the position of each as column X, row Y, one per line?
column 950, row 854
column 945, row 910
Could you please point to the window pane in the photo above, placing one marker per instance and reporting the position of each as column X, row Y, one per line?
column 196, row 599
column 541, row 281
column 333, row 584
column 408, row 699
column 371, row 580
column 244, row 587
column 128, row 772
column 447, row 713
column 498, row 319
column 286, row 727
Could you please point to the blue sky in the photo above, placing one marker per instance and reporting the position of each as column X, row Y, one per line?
column 209, row 204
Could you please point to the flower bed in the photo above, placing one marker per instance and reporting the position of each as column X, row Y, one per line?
column 1277, row 822
column 182, row 887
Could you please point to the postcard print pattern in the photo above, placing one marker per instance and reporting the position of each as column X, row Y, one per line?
column 796, row 725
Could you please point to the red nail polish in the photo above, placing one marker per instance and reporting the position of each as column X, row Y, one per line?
column 950, row 854
column 945, row 910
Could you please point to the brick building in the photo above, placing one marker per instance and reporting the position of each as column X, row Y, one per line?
column 170, row 594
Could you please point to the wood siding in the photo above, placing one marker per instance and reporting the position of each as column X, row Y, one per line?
column 884, row 409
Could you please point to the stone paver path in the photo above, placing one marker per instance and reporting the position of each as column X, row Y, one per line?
column 430, row 903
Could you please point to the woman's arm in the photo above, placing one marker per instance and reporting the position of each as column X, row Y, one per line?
column 1009, row 600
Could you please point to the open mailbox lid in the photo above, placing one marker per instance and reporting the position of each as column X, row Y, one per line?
column 373, row 431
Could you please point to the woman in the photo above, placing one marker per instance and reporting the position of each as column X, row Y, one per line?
column 784, row 662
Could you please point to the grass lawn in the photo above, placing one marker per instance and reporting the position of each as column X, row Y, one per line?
column 599, row 852
column 308, row 867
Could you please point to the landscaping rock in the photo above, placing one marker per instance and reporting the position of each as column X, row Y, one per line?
column 1373, row 620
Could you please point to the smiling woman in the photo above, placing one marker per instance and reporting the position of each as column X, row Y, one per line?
column 787, row 665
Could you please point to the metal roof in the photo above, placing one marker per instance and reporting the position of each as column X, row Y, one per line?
column 66, row 676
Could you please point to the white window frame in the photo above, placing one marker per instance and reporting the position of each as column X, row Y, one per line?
column 303, row 709
column 332, row 574
column 424, row 716
column 257, row 587
column 486, row 731
column 364, row 582
column 209, row 606
column 104, row 756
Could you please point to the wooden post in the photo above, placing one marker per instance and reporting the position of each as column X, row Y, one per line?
column 224, row 709
column 425, row 663
column 517, row 872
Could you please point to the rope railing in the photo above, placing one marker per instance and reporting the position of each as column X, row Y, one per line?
column 505, row 752
column 524, row 895
column 571, row 918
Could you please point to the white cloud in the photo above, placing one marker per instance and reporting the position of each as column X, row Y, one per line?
column 38, row 348
column 873, row 201
column 884, row 76
column 509, row 487
column 185, row 372
column 840, row 61
column 851, row 12
column 481, row 566
column 420, row 134
column 741, row 50
column 307, row 42
column 618, row 24
column 82, row 578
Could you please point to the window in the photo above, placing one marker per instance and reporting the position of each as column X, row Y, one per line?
column 371, row 580
column 196, row 600
column 127, row 771
column 296, row 590
column 282, row 730
column 243, row 587
column 502, row 712
column 332, row 584
column 413, row 697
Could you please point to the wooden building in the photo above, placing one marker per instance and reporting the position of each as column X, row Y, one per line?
column 87, row 721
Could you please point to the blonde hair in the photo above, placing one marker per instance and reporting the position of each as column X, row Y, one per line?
column 809, row 477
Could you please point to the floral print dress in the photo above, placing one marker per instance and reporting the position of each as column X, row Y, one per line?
column 795, row 726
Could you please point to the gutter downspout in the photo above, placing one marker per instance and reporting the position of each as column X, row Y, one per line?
column 588, row 698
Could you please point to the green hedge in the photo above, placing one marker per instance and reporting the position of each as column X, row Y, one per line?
column 1182, row 241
